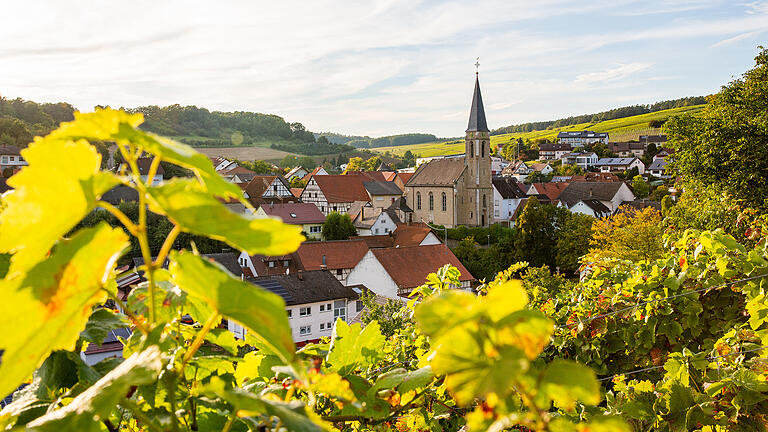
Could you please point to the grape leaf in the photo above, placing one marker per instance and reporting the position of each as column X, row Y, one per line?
column 51, row 195
column 566, row 382
column 100, row 323
column 354, row 347
column 258, row 310
column 121, row 127
column 47, row 308
column 83, row 413
column 187, row 204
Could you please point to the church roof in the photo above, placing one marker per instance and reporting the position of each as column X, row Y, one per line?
column 477, row 111
column 438, row 172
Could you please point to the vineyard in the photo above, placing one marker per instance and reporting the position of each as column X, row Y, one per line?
column 674, row 343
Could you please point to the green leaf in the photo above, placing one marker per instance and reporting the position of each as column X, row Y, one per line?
column 100, row 323
column 354, row 347
column 505, row 299
column 54, row 300
column 87, row 409
column 223, row 338
column 256, row 365
column 121, row 127
column 403, row 380
column 5, row 262
column 294, row 415
column 50, row 196
column 258, row 310
column 186, row 203
column 566, row 382
column 437, row 309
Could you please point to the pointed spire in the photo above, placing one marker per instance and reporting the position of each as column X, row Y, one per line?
column 477, row 111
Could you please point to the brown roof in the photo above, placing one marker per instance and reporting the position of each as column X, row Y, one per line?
column 551, row 190
column 258, row 185
column 294, row 213
column 438, row 172
column 342, row 188
column 9, row 150
column 405, row 176
column 339, row 254
column 144, row 163
column 238, row 170
column 313, row 172
column 297, row 192
column 596, row 177
column 376, row 241
column 409, row 266
column 410, row 235
column 368, row 175
column 389, row 175
column 538, row 166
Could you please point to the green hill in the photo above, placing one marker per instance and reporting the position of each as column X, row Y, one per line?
column 621, row 129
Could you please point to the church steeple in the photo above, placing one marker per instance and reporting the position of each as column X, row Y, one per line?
column 477, row 111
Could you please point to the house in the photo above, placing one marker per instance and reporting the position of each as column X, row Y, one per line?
column 517, row 169
column 334, row 193
column 553, row 151
column 400, row 209
column 591, row 207
column 551, row 190
column 658, row 168
column 628, row 149
column 395, row 272
column 581, row 160
column 582, row 138
column 382, row 193
column 507, row 195
column 268, row 189
column 663, row 153
column 595, row 177
column 374, row 221
column 338, row 257
column 497, row 164
column 11, row 160
column 144, row 163
column 221, row 164
column 611, row 194
column 457, row 191
column 120, row 193
column 238, row 174
column 319, row 171
column 543, row 168
column 313, row 302
column 614, row 165
column 657, row 140
column 296, row 172
column 403, row 236
column 307, row 215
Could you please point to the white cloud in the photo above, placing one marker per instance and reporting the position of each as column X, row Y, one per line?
column 615, row 74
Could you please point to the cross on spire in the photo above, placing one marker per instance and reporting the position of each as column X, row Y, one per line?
column 477, row 65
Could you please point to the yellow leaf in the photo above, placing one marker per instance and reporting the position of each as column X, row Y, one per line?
column 51, row 195
column 505, row 299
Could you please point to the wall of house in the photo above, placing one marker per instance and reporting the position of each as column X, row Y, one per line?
column 156, row 180
column 430, row 239
column 582, row 208
column 383, row 201
column 314, row 231
column 313, row 194
column 372, row 274
column 325, row 318
column 623, row 194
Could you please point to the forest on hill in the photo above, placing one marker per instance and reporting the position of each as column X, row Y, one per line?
column 385, row 141
column 612, row 114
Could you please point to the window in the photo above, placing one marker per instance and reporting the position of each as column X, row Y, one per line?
column 322, row 309
column 340, row 309
column 484, row 203
column 386, row 230
column 431, row 201
column 285, row 263
column 288, row 311
column 445, row 202
column 328, row 325
column 339, row 272
column 482, row 149
column 315, row 229
column 418, row 200
column 358, row 306
column 322, row 326
column 4, row 159
column 305, row 330
column 270, row 264
column 375, row 230
column 305, row 311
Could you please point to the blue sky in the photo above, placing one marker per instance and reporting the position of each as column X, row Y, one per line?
column 378, row 67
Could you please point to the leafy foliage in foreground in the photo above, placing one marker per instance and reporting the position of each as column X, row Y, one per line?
column 180, row 376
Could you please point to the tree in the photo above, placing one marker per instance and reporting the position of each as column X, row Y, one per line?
column 390, row 316
column 666, row 205
column 630, row 234
column 725, row 147
column 355, row 164
column 263, row 167
column 573, row 241
column 338, row 227
column 537, row 229
column 372, row 164
column 640, row 187
column 297, row 182
column 659, row 193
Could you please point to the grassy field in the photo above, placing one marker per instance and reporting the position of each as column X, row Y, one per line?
column 623, row 129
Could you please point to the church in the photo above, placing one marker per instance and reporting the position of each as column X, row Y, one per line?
column 455, row 191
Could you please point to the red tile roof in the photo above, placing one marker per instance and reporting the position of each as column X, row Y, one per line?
column 339, row 254
column 313, row 172
column 408, row 235
column 238, row 170
column 297, row 192
column 551, row 190
column 376, row 241
column 144, row 163
column 342, row 188
column 409, row 266
column 405, row 177
column 295, row 213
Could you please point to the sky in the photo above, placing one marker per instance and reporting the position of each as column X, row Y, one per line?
column 377, row 67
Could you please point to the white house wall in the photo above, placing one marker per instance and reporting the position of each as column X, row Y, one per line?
column 372, row 274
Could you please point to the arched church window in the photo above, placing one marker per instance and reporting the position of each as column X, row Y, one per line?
column 445, row 202
column 431, row 201
column 484, row 201
column 482, row 149
column 418, row 200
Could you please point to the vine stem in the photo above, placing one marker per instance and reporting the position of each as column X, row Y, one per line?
column 116, row 212
column 229, row 423
column 140, row 416
column 198, row 342
column 167, row 245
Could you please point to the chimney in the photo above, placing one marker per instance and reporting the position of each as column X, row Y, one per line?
column 300, row 275
column 323, row 266
column 362, row 213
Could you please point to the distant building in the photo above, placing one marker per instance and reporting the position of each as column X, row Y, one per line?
column 614, row 165
column 658, row 140
column 296, row 172
column 582, row 138
column 306, row 215
column 658, row 168
column 507, row 195
column 627, row 149
column 144, row 163
column 581, row 160
column 10, row 159
column 554, row 151
column 611, row 194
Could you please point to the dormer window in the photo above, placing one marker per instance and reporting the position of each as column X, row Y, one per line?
column 293, row 215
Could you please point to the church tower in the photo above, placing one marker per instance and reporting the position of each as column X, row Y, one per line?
column 478, row 162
